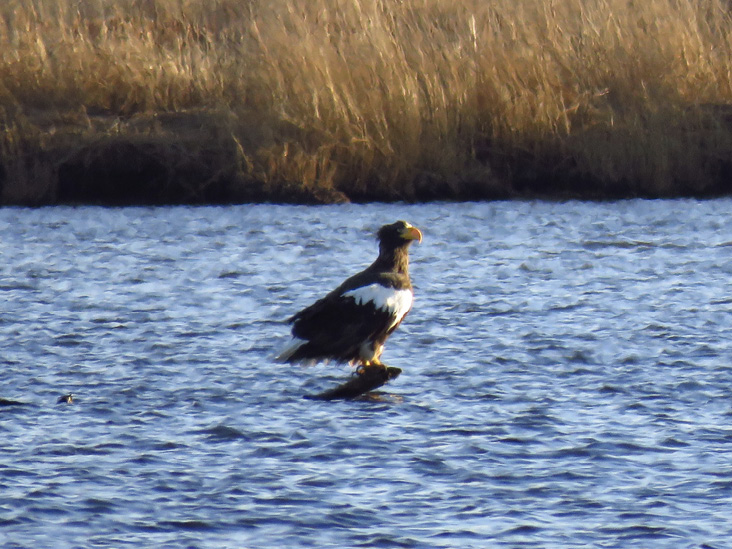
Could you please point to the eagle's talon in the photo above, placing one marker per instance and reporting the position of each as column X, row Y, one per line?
column 372, row 366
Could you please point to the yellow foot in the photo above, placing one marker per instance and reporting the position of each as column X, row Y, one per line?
column 362, row 368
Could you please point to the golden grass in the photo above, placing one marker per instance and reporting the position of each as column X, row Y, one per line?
column 367, row 99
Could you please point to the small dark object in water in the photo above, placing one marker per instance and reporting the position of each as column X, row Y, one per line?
column 7, row 402
column 68, row 399
column 367, row 379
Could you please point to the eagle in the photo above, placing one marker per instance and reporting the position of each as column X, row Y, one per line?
column 351, row 323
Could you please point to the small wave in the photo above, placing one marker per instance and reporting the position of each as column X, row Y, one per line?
column 70, row 340
column 196, row 525
column 97, row 505
column 608, row 389
column 222, row 433
column 75, row 450
column 672, row 442
column 11, row 286
column 640, row 531
column 623, row 244
column 230, row 274
column 523, row 529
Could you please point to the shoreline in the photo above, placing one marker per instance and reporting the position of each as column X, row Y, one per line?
column 203, row 157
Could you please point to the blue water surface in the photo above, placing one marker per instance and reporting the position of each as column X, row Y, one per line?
column 567, row 379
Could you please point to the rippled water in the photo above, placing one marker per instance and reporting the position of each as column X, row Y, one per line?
column 567, row 379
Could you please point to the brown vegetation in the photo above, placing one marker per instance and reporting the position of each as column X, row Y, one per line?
column 158, row 101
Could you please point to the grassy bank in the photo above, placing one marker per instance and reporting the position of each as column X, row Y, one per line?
column 321, row 100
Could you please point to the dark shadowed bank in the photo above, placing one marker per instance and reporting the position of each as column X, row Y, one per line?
column 217, row 157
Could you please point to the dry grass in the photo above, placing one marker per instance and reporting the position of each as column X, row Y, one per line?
column 190, row 100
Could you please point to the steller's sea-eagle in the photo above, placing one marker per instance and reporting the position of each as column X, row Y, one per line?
column 352, row 322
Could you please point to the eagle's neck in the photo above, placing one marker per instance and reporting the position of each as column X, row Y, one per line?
column 393, row 259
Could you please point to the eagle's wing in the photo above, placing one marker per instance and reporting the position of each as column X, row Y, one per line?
column 335, row 326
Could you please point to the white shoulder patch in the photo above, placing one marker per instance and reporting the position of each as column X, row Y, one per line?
column 396, row 302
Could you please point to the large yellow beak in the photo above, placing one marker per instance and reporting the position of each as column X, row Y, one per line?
column 412, row 233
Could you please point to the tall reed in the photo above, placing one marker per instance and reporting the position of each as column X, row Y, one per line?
column 381, row 99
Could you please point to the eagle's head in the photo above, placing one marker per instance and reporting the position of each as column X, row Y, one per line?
column 398, row 235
